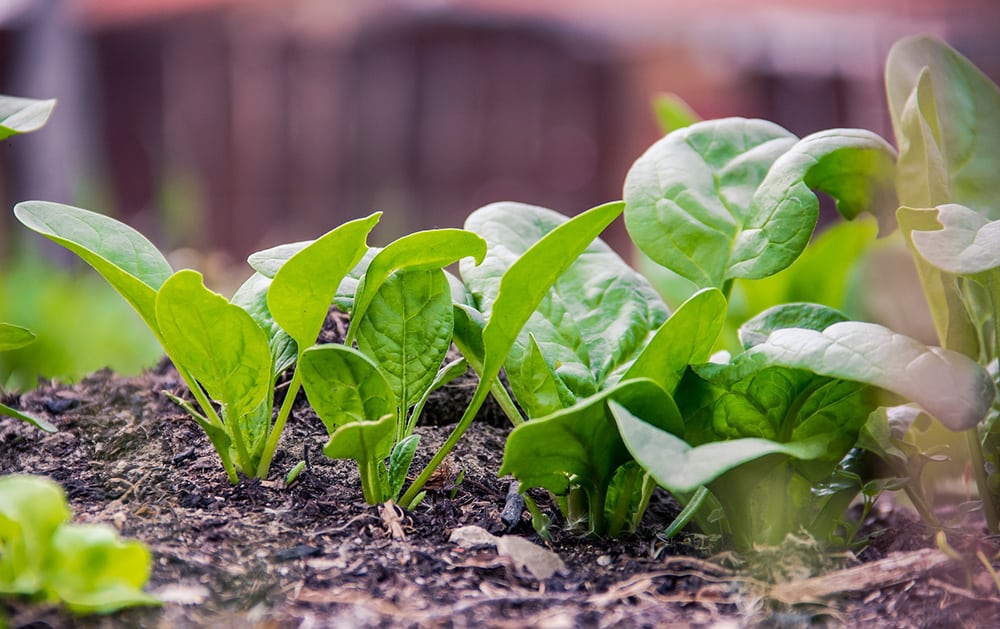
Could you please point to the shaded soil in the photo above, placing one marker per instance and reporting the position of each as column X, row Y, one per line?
column 260, row 554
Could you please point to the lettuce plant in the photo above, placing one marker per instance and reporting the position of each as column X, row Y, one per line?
column 228, row 353
column 946, row 117
column 42, row 555
column 14, row 337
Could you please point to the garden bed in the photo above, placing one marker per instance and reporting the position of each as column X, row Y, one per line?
column 314, row 554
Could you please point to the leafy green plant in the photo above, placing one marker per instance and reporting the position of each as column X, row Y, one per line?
column 42, row 555
column 227, row 352
column 946, row 117
column 14, row 337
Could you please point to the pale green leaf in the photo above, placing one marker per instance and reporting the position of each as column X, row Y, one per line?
column 31, row 509
column 37, row 422
column 14, row 337
column 966, row 244
column 252, row 297
column 217, row 342
column 126, row 259
column 794, row 315
column 304, row 286
column 22, row 115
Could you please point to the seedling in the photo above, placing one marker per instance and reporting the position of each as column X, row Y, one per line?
column 14, row 337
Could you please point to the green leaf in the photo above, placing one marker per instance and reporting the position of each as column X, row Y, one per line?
column 949, row 386
column 126, row 259
column 407, row 330
column 37, row 422
column 952, row 322
column 733, row 198
column 251, row 296
column 689, row 194
column 426, row 250
column 539, row 383
column 595, row 319
column 399, row 463
column 680, row 468
column 854, row 166
column 269, row 261
column 966, row 244
column 94, row 571
column 966, row 105
column 580, row 445
column 687, row 337
column 673, row 113
column 304, row 286
column 808, row 316
column 22, row 115
column 368, row 443
column 345, row 386
column 31, row 509
column 218, row 342
column 14, row 337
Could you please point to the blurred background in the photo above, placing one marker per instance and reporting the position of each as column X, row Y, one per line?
column 227, row 126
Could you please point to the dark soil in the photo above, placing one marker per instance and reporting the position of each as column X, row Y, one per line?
column 260, row 554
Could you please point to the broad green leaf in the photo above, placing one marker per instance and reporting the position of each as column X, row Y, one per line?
column 94, row 571
column 967, row 108
column 681, row 468
column 37, row 422
column 795, row 315
column 345, row 386
column 949, row 386
column 687, row 337
column 733, row 198
column 304, row 286
column 528, row 280
column 126, row 259
column 594, row 320
column 14, row 337
column 543, row 391
column 407, row 330
column 954, row 327
column 426, row 250
column 967, row 244
column 252, row 297
column 854, row 166
column 31, row 509
column 218, row 342
column 22, row 115
column 673, row 113
column 689, row 194
column 580, row 445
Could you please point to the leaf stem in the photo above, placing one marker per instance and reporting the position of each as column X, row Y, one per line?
column 279, row 423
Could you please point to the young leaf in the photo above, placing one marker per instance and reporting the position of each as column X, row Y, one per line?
column 673, row 113
column 681, row 468
column 14, row 337
column 733, row 198
column 689, row 194
column 22, row 115
column 304, row 286
column 399, row 463
column 345, row 386
column 126, row 259
column 687, row 337
column 595, row 319
column 37, row 422
column 407, row 330
column 967, row 129
column 218, row 342
column 369, row 443
column 949, row 386
column 808, row 316
column 967, row 244
column 31, row 509
column 93, row 571
column 426, row 250
column 269, row 261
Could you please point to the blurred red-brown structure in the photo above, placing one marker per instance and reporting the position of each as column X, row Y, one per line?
column 237, row 125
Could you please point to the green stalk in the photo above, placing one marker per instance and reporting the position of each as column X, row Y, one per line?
column 990, row 507
column 618, row 516
column 210, row 417
column 279, row 424
column 369, row 481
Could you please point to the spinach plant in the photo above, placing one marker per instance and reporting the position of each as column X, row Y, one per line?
column 229, row 353
column 946, row 117
column 43, row 555
column 14, row 337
